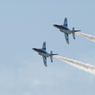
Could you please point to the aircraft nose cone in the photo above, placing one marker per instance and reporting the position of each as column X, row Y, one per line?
column 33, row 48
column 57, row 26
column 54, row 25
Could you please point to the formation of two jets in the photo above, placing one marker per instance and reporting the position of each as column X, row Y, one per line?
column 63, row 28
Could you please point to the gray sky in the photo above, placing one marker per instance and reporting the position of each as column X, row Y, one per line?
column 25, row 24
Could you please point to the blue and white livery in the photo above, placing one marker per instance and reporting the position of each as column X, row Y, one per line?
column 64, row 28
column 44, row 54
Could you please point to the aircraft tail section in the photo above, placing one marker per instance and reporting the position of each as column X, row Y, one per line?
column 65, row 22
column 73, row 32
column 51, row 56
column 44, row 46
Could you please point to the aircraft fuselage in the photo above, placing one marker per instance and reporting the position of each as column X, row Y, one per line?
column 41, row 52
column 63, row 28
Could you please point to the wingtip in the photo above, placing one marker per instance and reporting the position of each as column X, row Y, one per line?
column 68, row 42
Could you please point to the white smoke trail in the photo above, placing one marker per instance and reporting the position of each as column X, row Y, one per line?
column 90, row 37
column 86, row 67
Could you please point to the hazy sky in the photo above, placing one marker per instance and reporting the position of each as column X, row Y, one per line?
column 25, row 24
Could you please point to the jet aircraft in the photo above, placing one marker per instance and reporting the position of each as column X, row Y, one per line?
column 44, row 54
column 64, row 28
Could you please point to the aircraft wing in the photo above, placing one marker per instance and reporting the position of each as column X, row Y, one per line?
column 45, row 60
column 66, row 37
column 65, row 22
column 44, row 46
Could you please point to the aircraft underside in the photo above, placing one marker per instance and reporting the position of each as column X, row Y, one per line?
column 46, row 55
column 67, row 31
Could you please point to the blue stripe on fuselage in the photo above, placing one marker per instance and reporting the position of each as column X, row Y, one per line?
column 61, row 27
column 40, row 50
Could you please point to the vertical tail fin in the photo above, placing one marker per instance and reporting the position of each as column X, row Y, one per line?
column 44, row 46
column 65, row 22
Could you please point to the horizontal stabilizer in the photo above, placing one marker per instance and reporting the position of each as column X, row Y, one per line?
column 73, row 34
column 51, row 58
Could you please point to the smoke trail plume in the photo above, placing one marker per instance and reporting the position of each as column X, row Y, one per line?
column 90, row 37
column 86, row 67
